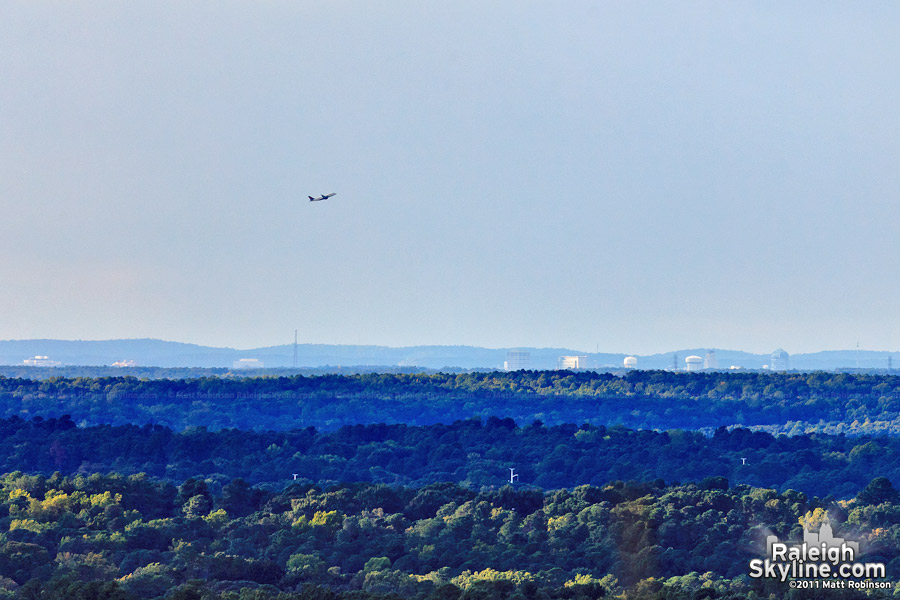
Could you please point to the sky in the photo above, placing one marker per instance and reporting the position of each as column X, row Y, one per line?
column 614, row 176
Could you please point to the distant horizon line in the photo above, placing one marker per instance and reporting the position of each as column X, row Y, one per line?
column 445, row 345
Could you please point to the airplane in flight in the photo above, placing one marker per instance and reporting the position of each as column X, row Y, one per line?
column 322, row 197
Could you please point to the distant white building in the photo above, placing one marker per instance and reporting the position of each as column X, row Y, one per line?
column 124, row 363
column 572, row 362
column 41, row 361
column 780, row 361
column 711, row 362
column 247, row 363
column 517, row 360
column 693, row 363
column 630, row 362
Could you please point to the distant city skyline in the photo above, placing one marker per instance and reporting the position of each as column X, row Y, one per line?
column 143, row 353
column 629, row 177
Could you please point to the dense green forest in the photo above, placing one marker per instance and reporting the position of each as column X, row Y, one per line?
column 790, row 403
column 655, row 485
column 136, row 537
column 471, row 453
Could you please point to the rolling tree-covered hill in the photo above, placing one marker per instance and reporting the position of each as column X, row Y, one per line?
column 127, row 538
column 791, row 403
column 473, row 453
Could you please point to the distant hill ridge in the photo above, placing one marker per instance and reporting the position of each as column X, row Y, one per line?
column 161, row 353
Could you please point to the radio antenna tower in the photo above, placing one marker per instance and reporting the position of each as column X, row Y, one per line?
column 295, row 349
column 513, row 476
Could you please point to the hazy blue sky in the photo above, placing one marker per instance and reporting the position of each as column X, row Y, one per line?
column 633, row 176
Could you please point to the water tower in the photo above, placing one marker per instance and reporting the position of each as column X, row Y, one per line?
column 693, row 363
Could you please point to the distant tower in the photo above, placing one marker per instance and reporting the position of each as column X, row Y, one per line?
column 294, row 364
column 517, row 360
column 571, row 362
column 780, row 360
column 675, row 362
column 630, row 362
column 711, row 362
column 693, row 363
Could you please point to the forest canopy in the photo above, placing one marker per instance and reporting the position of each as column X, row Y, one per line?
column 525, row 486
column 137, row 537
column 781, row 402
column 472, row 453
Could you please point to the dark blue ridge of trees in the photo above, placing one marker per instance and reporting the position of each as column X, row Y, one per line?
column 640, row 400
column 115, row 537
column 474, row 453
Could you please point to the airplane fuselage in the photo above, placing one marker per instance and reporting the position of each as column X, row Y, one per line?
column 322, row 197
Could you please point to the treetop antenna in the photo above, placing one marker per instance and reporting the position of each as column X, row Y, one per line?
column 513, row 476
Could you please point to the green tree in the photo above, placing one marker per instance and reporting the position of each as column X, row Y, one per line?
column 878, row 491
